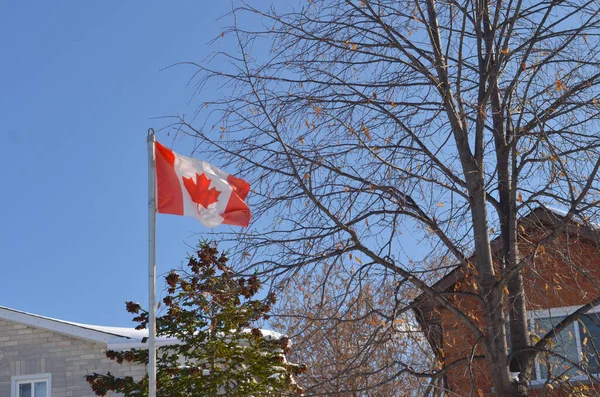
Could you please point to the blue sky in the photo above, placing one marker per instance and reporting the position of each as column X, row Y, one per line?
column 80, row 84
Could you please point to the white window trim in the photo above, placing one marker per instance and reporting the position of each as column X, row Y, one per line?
column 558, row 312
column 15, row 380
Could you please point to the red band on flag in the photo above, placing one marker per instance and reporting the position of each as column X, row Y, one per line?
column 237, row 212
column 169, row 197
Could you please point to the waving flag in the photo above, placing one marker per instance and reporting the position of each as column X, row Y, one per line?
column 191, row 187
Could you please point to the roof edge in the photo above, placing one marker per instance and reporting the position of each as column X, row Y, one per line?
column 541, row 215
column 79, row 331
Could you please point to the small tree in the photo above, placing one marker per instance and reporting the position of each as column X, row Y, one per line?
column 353, row 336
column 209, row 312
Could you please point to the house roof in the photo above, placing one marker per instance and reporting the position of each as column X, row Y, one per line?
column 541, row 216
column 115, row 338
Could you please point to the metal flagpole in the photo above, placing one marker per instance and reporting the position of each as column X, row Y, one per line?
column 152, row 262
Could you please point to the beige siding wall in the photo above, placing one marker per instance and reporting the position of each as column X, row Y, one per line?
column 25, row 351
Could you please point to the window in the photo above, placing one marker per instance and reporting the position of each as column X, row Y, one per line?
column 579, row 343
column 38, row 385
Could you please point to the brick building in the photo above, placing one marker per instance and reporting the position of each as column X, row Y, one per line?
column 43, row 357
column 565, row 276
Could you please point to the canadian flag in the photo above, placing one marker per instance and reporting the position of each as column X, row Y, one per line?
column 192, row 187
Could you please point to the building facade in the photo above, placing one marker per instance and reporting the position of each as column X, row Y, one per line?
column 564, row 277
column 44, row 357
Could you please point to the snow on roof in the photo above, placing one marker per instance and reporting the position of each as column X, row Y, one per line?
column 268, row 334
column 576, row 218
column 92, row 333
column 130, row 333
column 115, row 338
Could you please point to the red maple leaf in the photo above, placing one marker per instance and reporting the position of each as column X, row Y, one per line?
column 199, row 191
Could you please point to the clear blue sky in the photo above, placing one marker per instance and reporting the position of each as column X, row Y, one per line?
column 79, row 85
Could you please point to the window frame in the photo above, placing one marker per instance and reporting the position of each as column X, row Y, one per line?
column 557, row 312
column 15, row 381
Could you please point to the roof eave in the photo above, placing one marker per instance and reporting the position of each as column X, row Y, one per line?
column 59, row 327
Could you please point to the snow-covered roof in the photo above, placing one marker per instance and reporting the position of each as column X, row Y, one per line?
column 576, row 218
column 115, row 338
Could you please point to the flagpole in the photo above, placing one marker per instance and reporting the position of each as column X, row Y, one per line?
column 152, row 262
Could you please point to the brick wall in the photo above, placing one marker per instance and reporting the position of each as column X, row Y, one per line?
column 566, row 273
column 26, row 350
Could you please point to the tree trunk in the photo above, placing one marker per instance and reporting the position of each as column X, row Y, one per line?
column 496, row 346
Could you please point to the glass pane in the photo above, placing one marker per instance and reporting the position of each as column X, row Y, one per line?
column 25, row 390
column 40, row 389
column 589, row 330
column 564, row 344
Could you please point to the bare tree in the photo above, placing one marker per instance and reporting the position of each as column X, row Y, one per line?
column 388, row 130
column 343, row 328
